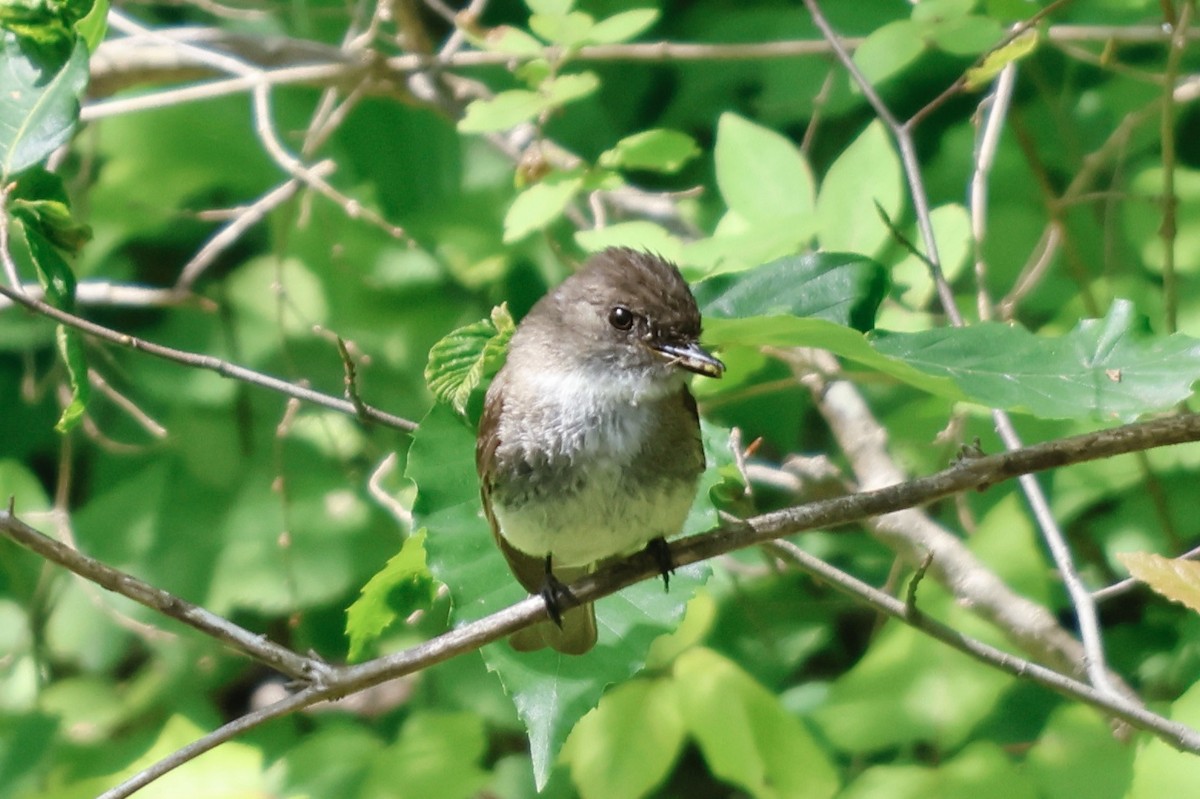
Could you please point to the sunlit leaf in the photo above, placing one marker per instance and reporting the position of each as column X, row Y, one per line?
column 399, row 588
column 551, row 691
column 998, row 59
column 1177, row 580
column 761, row 174
column 461, row 359
column 659, row 150
column 41, row 101
column 623, row 26
column 847, row 218
column 838, row 287
column 1107, row 369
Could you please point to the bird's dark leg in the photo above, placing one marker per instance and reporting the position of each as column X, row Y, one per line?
column 660, row 551
column 556, row 595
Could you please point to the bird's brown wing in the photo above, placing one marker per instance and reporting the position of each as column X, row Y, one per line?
column 577, row 634
column 529, row 571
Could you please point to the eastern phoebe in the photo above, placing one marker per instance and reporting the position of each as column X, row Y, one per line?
column 589, row 446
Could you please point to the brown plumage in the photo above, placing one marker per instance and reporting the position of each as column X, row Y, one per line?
column 589, row 443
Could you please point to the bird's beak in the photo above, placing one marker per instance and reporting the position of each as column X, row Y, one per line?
column 691, row 356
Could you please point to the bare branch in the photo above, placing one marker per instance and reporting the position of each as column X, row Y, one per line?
column 208, row 362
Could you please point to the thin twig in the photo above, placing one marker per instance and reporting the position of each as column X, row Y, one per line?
column 246, row 218
column 985, row 158
column 335, row 681
column 1170, row 202
column 1084, row 607
column 217, row 627
column 208, row 362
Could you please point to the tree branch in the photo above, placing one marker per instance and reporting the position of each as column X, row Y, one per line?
column 976, row 473
column 208, row 362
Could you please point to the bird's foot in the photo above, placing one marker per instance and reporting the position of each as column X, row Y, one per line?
column 556, row 595
column 660, row 551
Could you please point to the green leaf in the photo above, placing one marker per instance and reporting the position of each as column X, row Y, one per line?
column 399, row 588
column 506, row 110
column 437, row 754
column 933, row 11
column 792, row 331
column 866, row 173
column 235, row 769
column 566, row 30
column 639, row 234
column 966, row 36
column 1104, row 369
column 539, row 205
column 952, row 231
column 551, row 691
column 461, row 359
column 745, row 735
column 58, row 281
column 982, row 770
column 623, row 27
column 1177, row 580
column 838, row 287
column 70, row 349
column 94, row 25
column 41, row 102
column 761, row 174
column 1077, row 755
column 998, row 59
column 658, row 150
column 568, row 88
column 1160, row 770
column 628, row 744
column 895, row 695
column 514, row 41
column 550, row 6
column 53, row 218
column 888, row 50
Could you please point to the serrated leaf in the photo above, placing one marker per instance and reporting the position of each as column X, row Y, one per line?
column 460, row 360
column 761, row 174
column 623, row 26
column 505, row 110
column 539, row 205
column 1103, row 369
column 658, row 150
column 839, row 287
column 1177, row 580
column 998, row 59
column 551, row 691
column 402, row 586
column 41, row 101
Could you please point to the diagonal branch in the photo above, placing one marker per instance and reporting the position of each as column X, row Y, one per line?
column 976, row 473
column 365, row 413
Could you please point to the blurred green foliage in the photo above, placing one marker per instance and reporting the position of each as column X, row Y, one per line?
column 278, row 514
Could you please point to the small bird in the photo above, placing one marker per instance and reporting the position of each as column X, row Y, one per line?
column 589, row 445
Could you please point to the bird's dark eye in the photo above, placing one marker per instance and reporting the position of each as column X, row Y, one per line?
column 620, row 317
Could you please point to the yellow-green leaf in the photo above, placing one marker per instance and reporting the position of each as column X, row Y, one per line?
column 1177, row 580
